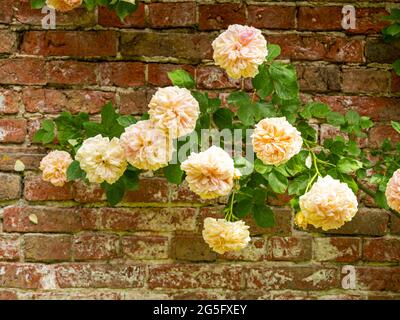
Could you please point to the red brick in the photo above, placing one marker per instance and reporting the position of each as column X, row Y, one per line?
column 80, row 17
column 192, row 248
column 182, row 193
column 50, row 219
column 9, row 247
column 133, row 102
column 35, row 189
column 12, row 130
column 395, row 83
column 47, row 247
column 32, row 127
column 95, row 246
column 365, row 81
column 343, row 249
column 209, row 77
column 318, row 78
column 10, row 186
column 377, row 278
column 65, row 294
column 271, row 17
column 139, row 247
column 183, row 276
column 84, row 275
column 378, row 108
column 29, row 156
column 74, row 101
column 158, row 73
column 328, row 131
column 369, row 21
column 8, row 295
column 255, row 251
column 122, row 74
column 108, row 18
column 394, row 223
column 193, row 47
column 23, row 275
column 9, row 101
column 22, row 71
column 150, row 190
column 380, row 132
column 70, row 43
column 164, row 15
column 319, row 18
column 289, row 248
column 293, row 277
column 6, row 11
column 220, row 16
column 319, row 47
column 382, row 250
column 8, row 41
column 71, row 72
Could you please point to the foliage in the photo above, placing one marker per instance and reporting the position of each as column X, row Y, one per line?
column 392, row 32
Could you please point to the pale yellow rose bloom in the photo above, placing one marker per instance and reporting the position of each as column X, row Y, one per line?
column 240, row 50
column 275, row 141
column 393, row 191
column 64, row 5
column 54, row 167
column 223, row 236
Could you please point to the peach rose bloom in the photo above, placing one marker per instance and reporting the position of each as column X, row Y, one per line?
column 393, row 191
column 146, row 147
column 275, row 140
column 64, row 5
column 240, row 50
column 174, row 109
column 54, row 167
column 223, row 236
column 329, row 204
column 102, row 159
column 209, row 173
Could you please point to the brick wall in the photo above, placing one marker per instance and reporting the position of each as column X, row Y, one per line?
column 151, row 247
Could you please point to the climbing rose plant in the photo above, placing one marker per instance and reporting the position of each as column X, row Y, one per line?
column 122, row 8
column 322, row 179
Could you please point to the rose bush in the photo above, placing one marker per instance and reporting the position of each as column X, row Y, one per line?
column 323, row 179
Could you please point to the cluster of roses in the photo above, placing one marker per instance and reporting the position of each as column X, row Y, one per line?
column 173, row 112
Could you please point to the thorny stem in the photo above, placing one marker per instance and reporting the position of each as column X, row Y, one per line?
column 230, row 216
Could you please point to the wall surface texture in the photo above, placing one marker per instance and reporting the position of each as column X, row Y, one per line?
column 151, row 246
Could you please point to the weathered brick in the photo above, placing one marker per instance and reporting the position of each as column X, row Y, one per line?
column 164, row 15
column 40, row 247
column 30, row 157
column 158, row 73
column 9, row 247
column 208, row 77
column 343, row 249
column 9, row 101
column 369, row 20
column 380, row 132
column 192, row 248
column 108, row 18
column 8, row 295
column 255, row 251
column 319, row 18
column 271, row 17
column 70, row 43
column 192, row 47
column 395, row 83
column 12, row 130
column 95, row 246
column 150, row 190
column 6, row 11
column 289, row 248
column 376, row 50
column 183, row 276
column 365, row 80
column 394, row 224
column 35, row 189
column 23, row 275
column 8, row 41
column 382, row 250
column 10, row 186
column 65, row 294
column 71, row 72
column 220, row 16
column 318, row 78
column 377, row 278
column 140, row 247
column 133, row 102
column 82, row 275
column 26, row 71
column 122, row 74
column 293, row 277
column 50, row 219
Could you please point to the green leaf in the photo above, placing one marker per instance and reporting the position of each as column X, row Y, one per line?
column 353, row 149
column 124, row 9
column 352, row 117
column 114, row 192
column 242, row 208
column 74, row 171
column 173, row 173
column 93, row 129
column 264, row 110
column 246, row 114
column 108, row 116
column 181, row 78
column 223, row 118
column 202, row 99
column 393, row 30
column 335, row 119
column 380, row 200
column 131, row 179
column 348, row 165
column 274, row 51
column 48, row 125
column 366, row 122
column 285, row 80
column 38, row 137
column 262, row 82
column 126, row 121
column 396, row 126
column 238, row 98
column 298, row 185
column 243, row 165
column 277, row 181
column 319, row 110
column 259, row 195
column 262, row 168
column 263, row 215
column 38, row 4
column 90, row 4
column 48, row 137
column 396, row 67
column 394, row 15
